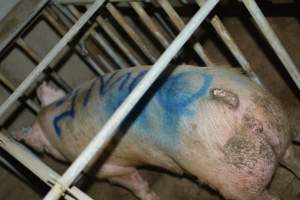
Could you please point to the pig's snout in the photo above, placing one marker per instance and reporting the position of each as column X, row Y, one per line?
column 225, row 96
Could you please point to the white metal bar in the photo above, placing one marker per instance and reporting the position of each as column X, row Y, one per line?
column 103, row 137
column 273, row 40
column 234, row 49
column 35, row 165
column 50, row 56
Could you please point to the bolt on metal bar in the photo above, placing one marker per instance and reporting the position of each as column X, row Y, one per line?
column 273, row 40
column 99, row 38
column 178, row 22
column 50, row 56
column 100, row 141
column 61, row 30
column 146, row 49
column 234, row 49
column 12, row 87
column 120, row 42
column 150, row 24
column 36, row 166
column 35, row 57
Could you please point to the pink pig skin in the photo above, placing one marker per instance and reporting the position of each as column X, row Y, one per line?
column 211, row 122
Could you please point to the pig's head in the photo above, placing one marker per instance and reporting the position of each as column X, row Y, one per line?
column 35, row 138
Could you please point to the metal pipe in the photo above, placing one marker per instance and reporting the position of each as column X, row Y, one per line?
column 100, row 141
column 150, row 54
column 99, row 38
column 273, row 40
column 60, row 29
column 50, row 56
column 234, row 49
column 178, row 22
column 36, row 166
column 12, row 87
column 120, row 42
column 36, row 59
column 150, row 24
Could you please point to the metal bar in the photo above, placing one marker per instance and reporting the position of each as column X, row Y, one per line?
column 273, row 40
column 132, row 33
column 150, row 24
column 120, row 42
column 11, row 36
column 99, row 38
column 104, row 136
column 36, row 59
column 178, row 22
column 50, row 56
column 234, row 49
column 35, row 165
column 12, row 87
column 61, row 30
column 83, row 2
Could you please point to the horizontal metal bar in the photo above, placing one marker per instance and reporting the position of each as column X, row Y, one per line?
column 18, row 30
column 36, row 166
column 178, row 22
column 36, row 59
column 61, row 30
column 273, row 40
column 49, row 57
column 12, row 87
column 100, row 141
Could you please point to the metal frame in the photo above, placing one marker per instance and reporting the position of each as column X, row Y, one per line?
column 61, row 184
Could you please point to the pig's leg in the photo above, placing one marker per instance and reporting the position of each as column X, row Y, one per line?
column 291, row 161
column 48, row 94
column 129, row 178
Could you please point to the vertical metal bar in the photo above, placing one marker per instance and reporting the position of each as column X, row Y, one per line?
column 234, row 49
column 50, row 56
column 178, row 22
column 61, row 30
column 34, row 56
column 149, row 23
column 120, row 42
column 104, row 136
column 150, row 54
column 99, row 38
column 273, row 40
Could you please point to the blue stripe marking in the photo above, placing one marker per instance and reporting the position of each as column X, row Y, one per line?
column 68, row 113
column 88, row 94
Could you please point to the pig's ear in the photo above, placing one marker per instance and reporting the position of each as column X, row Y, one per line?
column 47, row 94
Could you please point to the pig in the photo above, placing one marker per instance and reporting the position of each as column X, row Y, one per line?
column 213, row 123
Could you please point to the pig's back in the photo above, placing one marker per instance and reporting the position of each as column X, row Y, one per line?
column 158, row 126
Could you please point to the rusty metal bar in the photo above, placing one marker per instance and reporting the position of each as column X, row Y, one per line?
column 99, row 38
column 120, row 42
column 61, row 30
column 273, row 40
column 178, row 22
column 150, row 24
column 150, row 54
column 36, row 59
column 12, row 87
column 103, row 137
